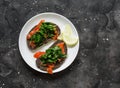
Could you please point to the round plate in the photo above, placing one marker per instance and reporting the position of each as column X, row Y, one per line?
column 27, row 54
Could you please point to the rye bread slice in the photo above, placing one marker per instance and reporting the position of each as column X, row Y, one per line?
column 58, row 64
column 46, row 40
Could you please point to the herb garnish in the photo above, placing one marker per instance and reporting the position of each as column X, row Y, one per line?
column 52, row 55
column 47, row 30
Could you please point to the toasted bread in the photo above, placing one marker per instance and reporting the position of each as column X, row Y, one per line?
column 45, row 40
column 58, row 64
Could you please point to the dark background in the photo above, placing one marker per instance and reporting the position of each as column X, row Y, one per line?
column 98, row 62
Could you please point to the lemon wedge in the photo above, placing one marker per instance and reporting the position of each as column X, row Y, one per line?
column 68, row 37
column 70, row 40
column 68, row 30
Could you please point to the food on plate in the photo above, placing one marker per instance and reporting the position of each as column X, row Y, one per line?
column 42, row 33
column 68, row 37
column 70, row 40
column 52, row 58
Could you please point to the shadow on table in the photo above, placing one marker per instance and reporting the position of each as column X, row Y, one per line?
column 57, row 75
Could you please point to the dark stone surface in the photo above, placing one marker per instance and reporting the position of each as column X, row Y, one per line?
column 98, row 62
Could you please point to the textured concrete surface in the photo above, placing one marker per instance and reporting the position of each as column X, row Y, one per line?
column 98, row 62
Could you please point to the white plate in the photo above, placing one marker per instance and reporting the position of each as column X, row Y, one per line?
column 27, row 54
